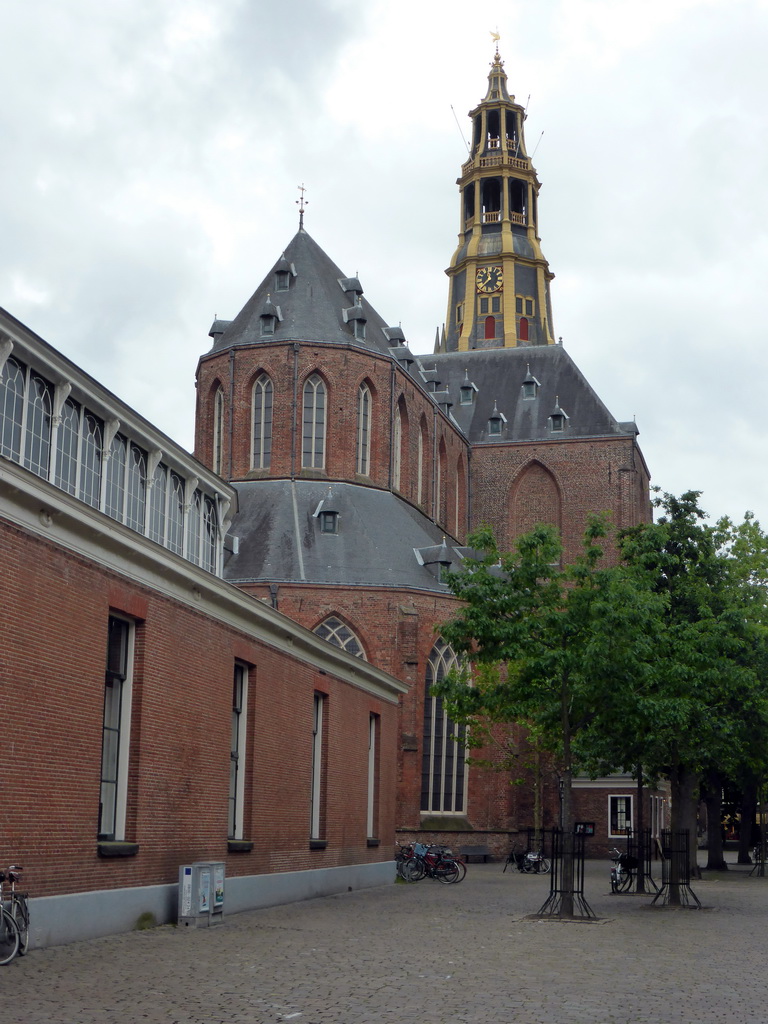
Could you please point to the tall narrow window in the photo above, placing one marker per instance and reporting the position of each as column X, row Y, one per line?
column 194, row 528
column 373, row 777
column 67, row 444
column 490, row 327
column 522, row 331
column 313, row 431
column 176, row 514
column 11, row 409
column 237, row 754
column 210, row 551
column 90, row 459
column 444, row 769
column 136, row 503
column 158, row 498
column 397, row 445
column 218, row 430
column 114, row 743
column 115, row 500
column 37, row 442
column 317, row 799
column 363, row 430
column 262, row 423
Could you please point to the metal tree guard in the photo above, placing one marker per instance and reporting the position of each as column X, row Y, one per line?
column 563, row 882
column 676, row 871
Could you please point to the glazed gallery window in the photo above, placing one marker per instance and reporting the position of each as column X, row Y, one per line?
column 237, row 753
column 313, row 424
column 115, row 729
column 619, row 815
column 262, row 423
column 444, row 768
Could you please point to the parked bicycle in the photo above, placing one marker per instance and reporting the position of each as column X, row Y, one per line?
column 434, row 861
column 532, row 861
column 14, row 920
column 405, row 864
column 623, row 871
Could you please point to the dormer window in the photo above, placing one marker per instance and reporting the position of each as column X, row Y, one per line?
column 495, row 422
column 530, row 385
column 557, row 418
column 359, row 329
column 270, row 317
column 282, row 280
column 329, row 521
column 466, row 394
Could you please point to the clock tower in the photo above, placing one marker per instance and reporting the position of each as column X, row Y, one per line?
column 499, row 280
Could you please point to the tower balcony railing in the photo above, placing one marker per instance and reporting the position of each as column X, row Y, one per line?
column 501, row 159
column 494, row 216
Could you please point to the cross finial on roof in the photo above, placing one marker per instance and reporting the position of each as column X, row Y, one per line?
column 301, row 202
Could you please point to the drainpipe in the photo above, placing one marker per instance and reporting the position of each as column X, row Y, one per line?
column 391, row 424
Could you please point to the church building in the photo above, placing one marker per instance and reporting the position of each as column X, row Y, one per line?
column 227, row 657
column 360, row 468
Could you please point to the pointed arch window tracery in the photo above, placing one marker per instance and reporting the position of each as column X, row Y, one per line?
column 340, row 635
column 261, row 404
column 363, row 430
column 444, row 766
column 314, row 423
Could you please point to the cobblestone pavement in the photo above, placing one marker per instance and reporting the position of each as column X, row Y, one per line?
column 427, row 953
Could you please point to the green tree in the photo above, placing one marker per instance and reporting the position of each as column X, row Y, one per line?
column 701, row 714
column 561, row 650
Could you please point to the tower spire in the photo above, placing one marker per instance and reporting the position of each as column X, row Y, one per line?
column 301, row 203
column 499, row 279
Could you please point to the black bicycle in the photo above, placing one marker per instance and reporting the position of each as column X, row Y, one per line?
column 623, row 871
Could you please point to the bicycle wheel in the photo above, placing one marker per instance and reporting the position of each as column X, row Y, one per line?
column 624, row 881
column 448, row 871
column 462, row 870
column 414, row 869
column 614, row 879
column 20, row 912
column 9, row 938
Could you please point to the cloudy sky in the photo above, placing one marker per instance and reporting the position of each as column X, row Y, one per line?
column 152, row 151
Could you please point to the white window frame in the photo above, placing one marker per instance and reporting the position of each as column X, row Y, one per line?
column 630, row 817
column 238, row 752
column 318, row 745
column 364, row 430
column 373, row 755
column 123, row 739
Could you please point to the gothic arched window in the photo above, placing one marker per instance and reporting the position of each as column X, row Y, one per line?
column 313, row 423
column 444, row 767
column 37, row 446
column 11, row 409
column 218, row 430
column 363, row 430
column 67, row 443
column 339, row 634
column 262, row 423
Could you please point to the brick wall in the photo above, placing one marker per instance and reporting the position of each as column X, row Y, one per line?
column 56, row 607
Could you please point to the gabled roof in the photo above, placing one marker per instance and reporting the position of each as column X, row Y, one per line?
column 319, row 305
column 499, row 374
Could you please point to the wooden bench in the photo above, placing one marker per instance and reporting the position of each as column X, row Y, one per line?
column 465, row 852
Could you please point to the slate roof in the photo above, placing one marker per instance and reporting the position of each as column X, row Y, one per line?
column 498, row 376
column 382, row 540
column 318, row 307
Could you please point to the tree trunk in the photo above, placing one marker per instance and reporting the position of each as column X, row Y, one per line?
column 748, row 819
column 684, row 786
column 639, row 832
column 713, row 797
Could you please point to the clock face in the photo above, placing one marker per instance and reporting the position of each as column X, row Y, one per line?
column 489, row 279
